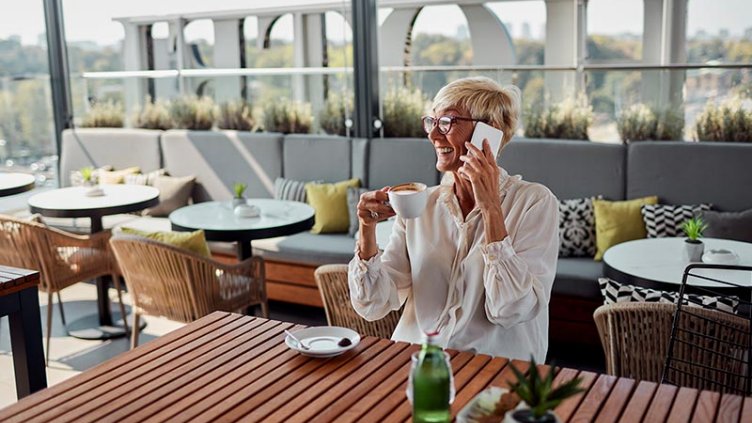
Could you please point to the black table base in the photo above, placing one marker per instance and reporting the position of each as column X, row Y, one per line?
column 22, row 309
column 90, row 328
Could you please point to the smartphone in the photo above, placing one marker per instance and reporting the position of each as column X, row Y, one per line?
column 485, row 131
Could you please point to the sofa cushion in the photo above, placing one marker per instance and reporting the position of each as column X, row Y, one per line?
column 118, row 147
column 692, row 173
column 618, row 221
column 393, row 161
column 330, row 204
column 194, row 242
column 729, row 225
column 307, row 248
column 314, row 157
column 663, row 220
column 570, row 169
column 578, row 277
column 576, row 228
column 219, row 159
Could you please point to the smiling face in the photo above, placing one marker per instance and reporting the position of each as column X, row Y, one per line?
column 450, row 146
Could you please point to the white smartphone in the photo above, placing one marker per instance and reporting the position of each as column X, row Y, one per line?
column 485, row 131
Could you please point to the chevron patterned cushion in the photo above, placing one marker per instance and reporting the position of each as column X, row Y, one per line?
column 662, row 220
column 616, row 292
column 576, row 228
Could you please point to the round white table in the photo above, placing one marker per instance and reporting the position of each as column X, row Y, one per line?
column 15, row 183
column 73, row 202
column 217, row 219
column 660, row 262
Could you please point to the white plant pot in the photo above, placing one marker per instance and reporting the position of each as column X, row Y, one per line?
column 239, row 201
column 693, row 251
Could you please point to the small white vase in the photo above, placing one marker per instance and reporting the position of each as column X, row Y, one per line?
column 693, row 250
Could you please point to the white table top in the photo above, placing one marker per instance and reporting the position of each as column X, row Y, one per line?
column 217, row 216
column 14, row 183
column 662, row 260
column 73, row 202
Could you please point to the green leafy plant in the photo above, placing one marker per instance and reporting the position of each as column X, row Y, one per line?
column 193, row 112
column 239, row 189
column 332, row 116
column 104, row 114
column 288, row 117
column 640, row 122
column 728, row 121
column 87, row 173
column 538, row 392
column 569, row 119
column 403, row 109
column 153, row 115
column 694, row 228
column 237, row 115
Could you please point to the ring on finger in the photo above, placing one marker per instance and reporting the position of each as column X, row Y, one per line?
column 374, row 215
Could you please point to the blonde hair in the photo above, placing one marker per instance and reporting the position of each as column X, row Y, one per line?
column 484, row 99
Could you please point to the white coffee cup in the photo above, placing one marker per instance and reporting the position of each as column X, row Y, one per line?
column 408, row 200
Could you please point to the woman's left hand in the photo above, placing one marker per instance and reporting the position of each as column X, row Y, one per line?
column 481, row 170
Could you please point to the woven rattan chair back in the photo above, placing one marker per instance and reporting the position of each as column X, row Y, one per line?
column 17, row 243
column 332, row 282
column 635, row 338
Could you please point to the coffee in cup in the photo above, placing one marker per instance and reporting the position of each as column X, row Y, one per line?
column 408, row 200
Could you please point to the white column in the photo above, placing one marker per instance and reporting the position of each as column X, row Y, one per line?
column 308, row 51
column 664, row 42
column 565, row 46
column 299, row 54
column 227, row 49
column 178, row 51
column 134, row 59
column 492, row 44
column 393, row 34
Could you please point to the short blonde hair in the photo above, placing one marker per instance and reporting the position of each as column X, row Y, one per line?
column 484, row 99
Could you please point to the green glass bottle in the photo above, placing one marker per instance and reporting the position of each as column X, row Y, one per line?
column 431, row 379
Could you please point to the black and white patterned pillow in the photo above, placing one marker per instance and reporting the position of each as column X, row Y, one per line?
column 576, row 228
column 290, row 190
column 663, row 220
column 616, row 292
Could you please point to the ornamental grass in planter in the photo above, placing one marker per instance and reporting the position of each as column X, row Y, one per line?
column 728, row 121
column 403, row 109
column 640, row 123
column 153, row 115
column 288, row 117
column 334, row 113
column 569, row 119
column 107, row 114
column 197, row 113
column 237, row 115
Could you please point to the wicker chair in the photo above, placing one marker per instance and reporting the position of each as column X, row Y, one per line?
column 167, row 281
column 332, row 282
column 62, row 258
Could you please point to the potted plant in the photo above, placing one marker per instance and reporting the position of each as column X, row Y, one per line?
column 539, row 396
column 239, row 189
column 693, row 247
column 569, row 119
column 87, row 176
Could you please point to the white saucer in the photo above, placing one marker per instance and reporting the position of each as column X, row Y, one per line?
column 94, row 192
column 323, row 341
column 246, row 210
column 720, row 256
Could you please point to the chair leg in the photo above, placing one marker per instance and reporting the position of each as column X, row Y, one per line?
column 116, row 280
column 265, row 309
column 62, row 312
column 135, row 331
column 50, row 305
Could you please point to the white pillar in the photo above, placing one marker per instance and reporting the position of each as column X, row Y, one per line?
column 134, row 59
column 492, row 44
column 565, row 46
column 298, row 56
column 178, row 51
column 393, row 34
column 227, row 50
column 308, row 51
column 664, row 42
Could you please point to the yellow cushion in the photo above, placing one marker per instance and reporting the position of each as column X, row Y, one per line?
column 618, row 221
column 194, row 242
column 330, row 203
column 117, row 176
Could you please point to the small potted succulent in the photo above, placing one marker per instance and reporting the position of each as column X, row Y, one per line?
column 693, row 247
column 87, row 176
column 538, row 395
column 239, row 199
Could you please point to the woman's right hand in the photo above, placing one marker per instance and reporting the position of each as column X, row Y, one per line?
column 374, row 207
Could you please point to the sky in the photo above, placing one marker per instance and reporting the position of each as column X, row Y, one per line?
column 91, row 20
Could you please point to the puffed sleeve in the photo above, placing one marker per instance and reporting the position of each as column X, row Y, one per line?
column 378, row 285
column 519, row 272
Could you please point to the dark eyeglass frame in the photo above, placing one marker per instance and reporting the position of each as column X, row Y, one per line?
column 436, row 122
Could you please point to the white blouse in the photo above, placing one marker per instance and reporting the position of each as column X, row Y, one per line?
column 490, row 299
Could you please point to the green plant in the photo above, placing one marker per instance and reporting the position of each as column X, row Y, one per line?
column 86, row 173
column 694, row 228
column 288, row 117
column 193, row 112
column 236, row 115
column 104, row 114
column 403, row 109
column 728, row 121
column 332, row 116
column 670, row 125
column 538, row 392
column 640, row 122
column 239, row 189
column 153, row 115
column 569, row 119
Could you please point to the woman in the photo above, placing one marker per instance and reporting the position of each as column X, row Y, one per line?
column 477, row 266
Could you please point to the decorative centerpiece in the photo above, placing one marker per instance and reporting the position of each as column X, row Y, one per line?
column 88, row 179
column 239, row 199
column 693, row 247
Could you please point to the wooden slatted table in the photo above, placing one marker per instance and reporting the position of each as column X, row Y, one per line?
column 20, row 302
column 228, row 367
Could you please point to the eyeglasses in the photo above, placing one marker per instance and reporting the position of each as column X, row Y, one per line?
column 443, row 122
